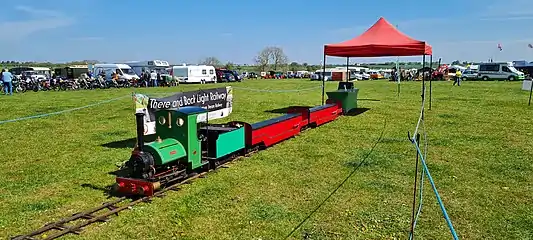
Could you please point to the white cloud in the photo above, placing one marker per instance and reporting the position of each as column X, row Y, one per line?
column 508, row 18
column 356, row 30
column 508, row 10
column 481, row 50
column 502, row 41
column 401, row 25
column 39, row 12
column 41, row 20
column 87, row 39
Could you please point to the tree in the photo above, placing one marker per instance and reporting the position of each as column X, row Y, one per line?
column 211, row 61
column 278, row 57
column 229, row 66
column 294, row 66
column 456, row 62
column 262, row 59
column 306, row 66
column 271, row 55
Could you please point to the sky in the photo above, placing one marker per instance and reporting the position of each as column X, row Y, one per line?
column 191, row 30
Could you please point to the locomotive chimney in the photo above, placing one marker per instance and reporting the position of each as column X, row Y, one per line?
column 140, row 131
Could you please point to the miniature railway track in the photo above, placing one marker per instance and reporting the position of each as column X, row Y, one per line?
column 75, row 223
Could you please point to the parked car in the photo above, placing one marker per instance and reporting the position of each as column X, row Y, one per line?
column 469, row 74
column 365, row 76
column 238, row 77
column 251, row 75
column 356, row 76
column 317, row 76
column 223, row 75
column 229, row 77
column 290, row 74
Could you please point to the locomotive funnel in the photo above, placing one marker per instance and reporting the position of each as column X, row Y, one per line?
column 139, row 117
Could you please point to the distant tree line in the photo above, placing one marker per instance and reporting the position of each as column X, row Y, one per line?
column 274, row 59
column 268, row 59
column 457, row 62
column 10, row 64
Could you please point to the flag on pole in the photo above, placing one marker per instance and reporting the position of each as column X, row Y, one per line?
column 500, row 46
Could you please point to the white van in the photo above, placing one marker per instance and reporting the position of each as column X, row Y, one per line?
column 35, row 72
column 499, row 71
column 194, row 74
column 124, row 70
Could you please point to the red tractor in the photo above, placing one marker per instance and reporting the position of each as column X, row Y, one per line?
column 440, row 72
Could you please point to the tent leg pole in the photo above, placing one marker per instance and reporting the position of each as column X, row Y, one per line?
column 347, row 69
column 323, row 77
column 423, row 78
column 397, row 74
column 430, row 78
column 398, row 90
column 530, row 92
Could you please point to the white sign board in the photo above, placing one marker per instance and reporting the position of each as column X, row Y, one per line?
column 526, row 85
column 218, row 102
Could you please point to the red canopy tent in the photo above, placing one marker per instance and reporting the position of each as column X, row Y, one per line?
column 380, row 40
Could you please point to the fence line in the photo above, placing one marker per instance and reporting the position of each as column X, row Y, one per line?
column 277, row 91
column 62, row 111
column 425, row 170
column 439, row 200
column 354, row 170
column 421, row 191
column 129, row 95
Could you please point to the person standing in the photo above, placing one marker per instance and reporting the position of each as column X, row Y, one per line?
column 7, row 78
column 157, row 78
column 153, row 78
column 458, row 76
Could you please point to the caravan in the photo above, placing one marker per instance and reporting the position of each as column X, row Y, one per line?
column 194, row 74
column 156, row 65
column 499, row 71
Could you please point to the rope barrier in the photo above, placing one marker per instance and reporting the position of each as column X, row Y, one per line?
column 420, row 119
column 421, row 191
column 63, row 111
column 441, row 204
column 344, row 181
column 277, row 91
column 114, row 99
column 425, row 170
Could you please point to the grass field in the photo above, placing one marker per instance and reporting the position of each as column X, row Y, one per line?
column 480, row 138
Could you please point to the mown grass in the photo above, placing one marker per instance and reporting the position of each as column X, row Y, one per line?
column 480, row 138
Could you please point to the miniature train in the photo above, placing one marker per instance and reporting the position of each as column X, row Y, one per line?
column 184, row 147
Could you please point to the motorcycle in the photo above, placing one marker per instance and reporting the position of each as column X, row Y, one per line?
column 123, row 83
column 33, row 84
column 99, row 82
column 18, row 86
column 44, row 85
column 111, row 83
column 84, row 84
column 65, row 84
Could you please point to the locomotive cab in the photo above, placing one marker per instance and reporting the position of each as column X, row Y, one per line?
column 181, row 127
